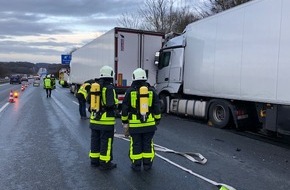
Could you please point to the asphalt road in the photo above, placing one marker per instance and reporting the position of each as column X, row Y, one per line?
column 45, row 145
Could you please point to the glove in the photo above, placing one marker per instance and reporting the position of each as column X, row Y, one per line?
column 126, row 129
column 157, row 121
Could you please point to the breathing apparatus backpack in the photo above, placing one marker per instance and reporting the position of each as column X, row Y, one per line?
column 96, row 100
column 143, row 103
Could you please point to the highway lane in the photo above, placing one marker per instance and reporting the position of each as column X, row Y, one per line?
column 45, row 145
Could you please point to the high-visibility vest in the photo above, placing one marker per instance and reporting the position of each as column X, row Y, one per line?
column 104, row 119
column 47, row 83
column 83, row 91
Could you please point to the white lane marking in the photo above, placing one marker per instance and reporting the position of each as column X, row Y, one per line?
column 3, row 107
column 120, row 136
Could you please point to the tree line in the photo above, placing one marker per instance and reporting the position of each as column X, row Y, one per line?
column 173, row 16
column 9, row 68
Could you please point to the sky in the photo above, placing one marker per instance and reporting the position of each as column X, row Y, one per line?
column 39, row 31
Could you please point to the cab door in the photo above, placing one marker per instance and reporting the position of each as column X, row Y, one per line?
column 164, row 68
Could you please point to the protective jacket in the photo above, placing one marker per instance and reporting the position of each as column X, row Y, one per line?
column 84, row 89
column 47, row 83
column 105, row 119
column 130, row 109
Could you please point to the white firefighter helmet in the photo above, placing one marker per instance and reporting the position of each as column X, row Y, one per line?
column 106, row 72
column 139, row 74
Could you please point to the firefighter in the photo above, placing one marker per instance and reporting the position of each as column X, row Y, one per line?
column 47, row 82
column 103, row 104
column 141, row 113
column 82, row 96
column 53, row 81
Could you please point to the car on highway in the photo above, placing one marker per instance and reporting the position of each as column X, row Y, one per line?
column 15, row 79
column 24, row 79
column 36, row 82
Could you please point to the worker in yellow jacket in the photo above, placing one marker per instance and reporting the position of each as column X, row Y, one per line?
column 47, row 83
column 82, row 95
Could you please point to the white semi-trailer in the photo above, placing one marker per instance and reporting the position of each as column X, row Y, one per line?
column 121, row 48
column 232, row 67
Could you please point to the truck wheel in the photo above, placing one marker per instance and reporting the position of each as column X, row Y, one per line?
column 219, row 114
column 163, row 103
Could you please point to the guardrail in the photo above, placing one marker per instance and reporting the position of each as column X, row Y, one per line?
column 4, row 81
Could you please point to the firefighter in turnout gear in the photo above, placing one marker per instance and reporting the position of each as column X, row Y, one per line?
column 82, row 96
column 141, row 112
column 103, row 104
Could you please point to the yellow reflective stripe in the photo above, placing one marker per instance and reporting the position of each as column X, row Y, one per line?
column 157, row 116
column 102, row 122
column 141, row 124
column 133, row 99
column 150, row 154
column 115, row 97
column 94, row 155
column 135, row 121
column 124, row 118
column 150, row 98
column 104, row 96
column 134, row 157
column 107, row 157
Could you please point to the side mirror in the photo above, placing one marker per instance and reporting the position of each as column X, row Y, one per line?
column 156, row 58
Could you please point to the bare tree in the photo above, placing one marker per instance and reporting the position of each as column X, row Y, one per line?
column 130, row 20
column 211, row 7
column 159, row 15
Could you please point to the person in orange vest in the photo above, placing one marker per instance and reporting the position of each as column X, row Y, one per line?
column 47, row 82
column 141, row 114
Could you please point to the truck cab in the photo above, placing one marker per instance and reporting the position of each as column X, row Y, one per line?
column 169, row 61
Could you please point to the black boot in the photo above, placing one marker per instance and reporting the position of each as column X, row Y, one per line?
column 136, row 167
column 95, row 163
column 107, row 166
column 147, row 166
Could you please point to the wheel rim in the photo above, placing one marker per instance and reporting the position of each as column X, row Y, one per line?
column 219, row 113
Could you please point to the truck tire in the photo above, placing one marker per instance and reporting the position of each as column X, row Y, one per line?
column 219, row 114
column 163, row 103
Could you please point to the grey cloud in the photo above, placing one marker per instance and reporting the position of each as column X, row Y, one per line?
column 5, row 43
column 69, row 7
column 28, row 50
column 25, row 27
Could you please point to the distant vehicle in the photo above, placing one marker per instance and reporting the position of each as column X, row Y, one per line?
column 36, row 77
column 24, row 79
column 63, row 76
column 15, row 79
column 36, row 82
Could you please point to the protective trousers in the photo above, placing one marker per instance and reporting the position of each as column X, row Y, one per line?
column 142, row 149
column 101, row 146
column 82, row 106
column 48, row 92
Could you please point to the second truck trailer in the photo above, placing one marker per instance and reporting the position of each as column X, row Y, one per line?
column 232, row 67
